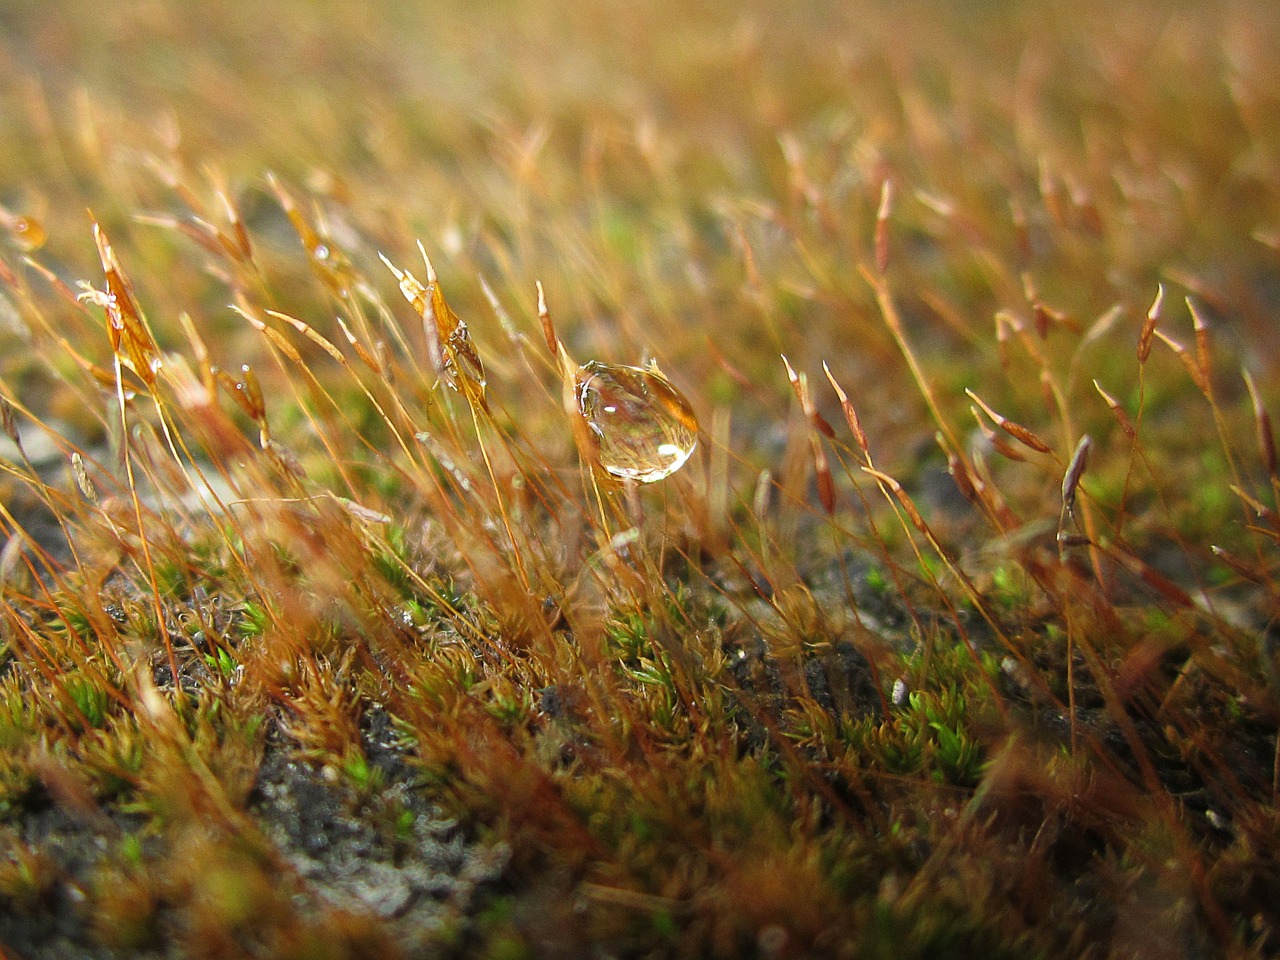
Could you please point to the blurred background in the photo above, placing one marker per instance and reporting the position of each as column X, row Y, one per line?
column 683, row 171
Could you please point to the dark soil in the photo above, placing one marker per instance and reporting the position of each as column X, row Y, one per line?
column 387, row 856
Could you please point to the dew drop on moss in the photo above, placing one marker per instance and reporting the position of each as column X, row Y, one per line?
column 643, row 427
column 28, row 233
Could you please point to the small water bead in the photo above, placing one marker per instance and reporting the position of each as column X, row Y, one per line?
column 643, row 427
column 28, row 234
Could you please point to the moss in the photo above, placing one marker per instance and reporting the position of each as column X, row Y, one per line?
column 349, row 653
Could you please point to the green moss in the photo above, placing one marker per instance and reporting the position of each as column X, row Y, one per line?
column 774, row 705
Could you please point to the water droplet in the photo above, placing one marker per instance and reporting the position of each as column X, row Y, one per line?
column 643, row 427
column 28, row 233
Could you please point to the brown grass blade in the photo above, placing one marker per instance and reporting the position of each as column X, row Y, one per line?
column 1262, row 424
column 1149, row 325
column 1015, row 430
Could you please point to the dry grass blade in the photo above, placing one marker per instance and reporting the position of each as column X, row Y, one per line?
column 998, row 443
column 883, row 213
column 1126, row 424
column 322, row 635
column 1262, row 424
column 1015, row 430
column 1075, row 470
column 1149, row 325
column 850, row 415
column 449, row 345
column 548, row 329
column 9, row 424
column 131, row 338
column 1257, row 506
column 1201, row 328
column 818, row 425
column 1239, row 565
column 1190, row 363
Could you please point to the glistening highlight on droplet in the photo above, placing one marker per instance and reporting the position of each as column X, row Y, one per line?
column 643, row 427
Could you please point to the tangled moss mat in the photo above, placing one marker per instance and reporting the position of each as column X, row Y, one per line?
column 668, row 480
